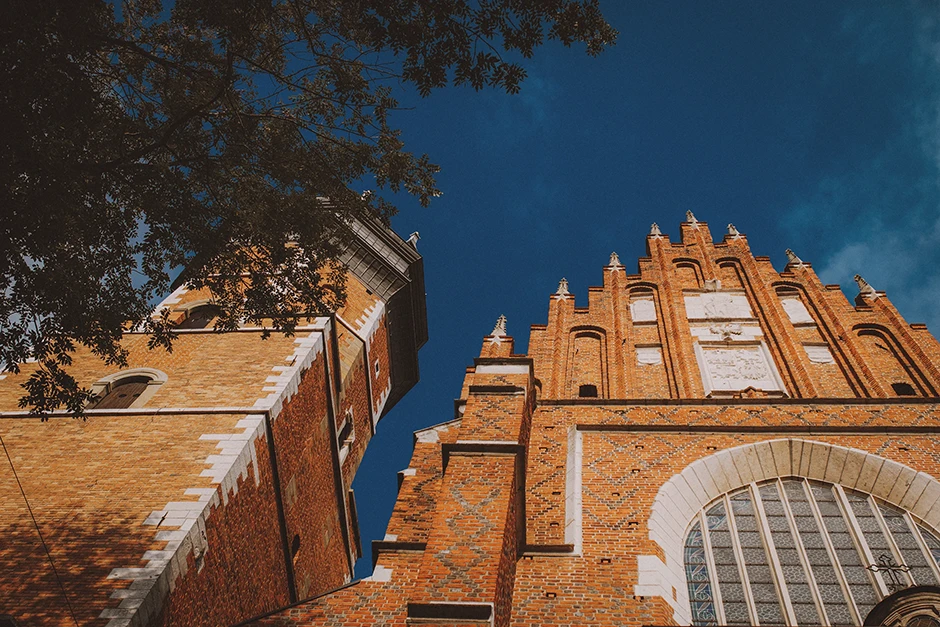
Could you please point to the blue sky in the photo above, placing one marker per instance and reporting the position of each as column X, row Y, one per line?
column 812, row 126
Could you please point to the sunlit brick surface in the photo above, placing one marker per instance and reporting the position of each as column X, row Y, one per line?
column 553, row 508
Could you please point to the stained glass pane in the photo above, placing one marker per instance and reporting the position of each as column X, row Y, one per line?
column 696, row 573
column 827, row 583
column 763, row 588
column 726, row 566
column 911, row 553
column 880, row 549
column 856, row 575
column 801, row 597
column 933, row 544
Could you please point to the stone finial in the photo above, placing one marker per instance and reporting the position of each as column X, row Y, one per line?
column 562, row 288
column 864, row 288
column 413, row 239
column 792, row 259
column 614, row 260
column 654, row 230
column 500, row 329
column 690, row 217
column 733, row 232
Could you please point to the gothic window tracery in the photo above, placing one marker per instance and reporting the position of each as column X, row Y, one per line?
column 793, row 551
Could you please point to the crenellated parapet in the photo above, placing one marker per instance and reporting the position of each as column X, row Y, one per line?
column 707, row 319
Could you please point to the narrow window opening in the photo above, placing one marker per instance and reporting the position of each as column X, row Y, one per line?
column 587, row 391
column 903, row 389
column 295, row 547
column 346, row 430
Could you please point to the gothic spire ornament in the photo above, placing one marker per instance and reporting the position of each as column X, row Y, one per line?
column 733, row 232
column 864, row 288
column 690, row 217
column 500, row 329
column 793, row 260
column 614, row 261
column 654, row 230
column 562, row 291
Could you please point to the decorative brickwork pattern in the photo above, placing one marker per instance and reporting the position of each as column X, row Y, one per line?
column 712, row 370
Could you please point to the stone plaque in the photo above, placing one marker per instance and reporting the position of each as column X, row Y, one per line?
column 649, row 355
column 796, row 310
column 731, row 369
column 643, row 310
column 717, row 306
column 819, row 354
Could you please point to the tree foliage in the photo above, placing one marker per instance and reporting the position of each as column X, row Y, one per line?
column 143, row 135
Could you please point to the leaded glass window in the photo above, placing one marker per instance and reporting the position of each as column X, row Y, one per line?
column 798, row 552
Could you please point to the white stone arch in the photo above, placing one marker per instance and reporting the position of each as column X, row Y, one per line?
column 702, row 481
column 157, row 378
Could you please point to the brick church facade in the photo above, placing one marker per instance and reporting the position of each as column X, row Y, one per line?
column 210, row 484
column 708, row 441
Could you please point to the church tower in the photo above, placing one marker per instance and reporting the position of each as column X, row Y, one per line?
column 708, row 441
column 212, row 483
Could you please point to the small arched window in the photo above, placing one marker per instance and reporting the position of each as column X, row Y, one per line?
column 123, row 393
column 129, row 388
column 797, row 552
column 201, row 317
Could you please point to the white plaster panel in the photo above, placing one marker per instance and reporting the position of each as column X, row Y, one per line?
column 738, row 368
column 649, row 355
column 796, row 310
column 717, row 306
column 642, row 310
column 502, row 369
column 818, row 354
column 727, row 331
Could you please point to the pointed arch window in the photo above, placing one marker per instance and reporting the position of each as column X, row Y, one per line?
column 798, row 552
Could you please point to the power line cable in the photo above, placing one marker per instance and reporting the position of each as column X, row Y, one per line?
column 39, row 532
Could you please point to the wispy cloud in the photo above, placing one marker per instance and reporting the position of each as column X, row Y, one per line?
column 880, row 216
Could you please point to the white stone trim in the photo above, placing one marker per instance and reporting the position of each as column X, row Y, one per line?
column 157, row 378
column 380, row 407
column 430, row 435
column 368, row 322
column 150, row 585
column 502, row 369
column 173, row 299
column 686, row 493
